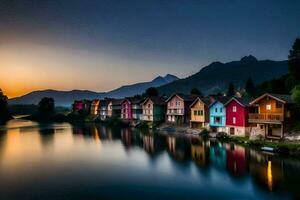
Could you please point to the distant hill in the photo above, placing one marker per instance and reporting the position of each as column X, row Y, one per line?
column 216, row 76
column 139, row 88
column 65, row 98
column 62, row 98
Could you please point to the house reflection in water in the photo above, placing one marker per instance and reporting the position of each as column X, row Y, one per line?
column 198, row 152
column 178, row 147
column 267, row 171
column 126, row 137
column 148, row 143
column 217, row 154
column 236, row 159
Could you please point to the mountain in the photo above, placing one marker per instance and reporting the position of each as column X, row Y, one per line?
column 65, row 98
column 217, row 76
column 62, row 98
column 139, row 88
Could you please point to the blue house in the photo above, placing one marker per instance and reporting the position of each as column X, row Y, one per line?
column 217, row 114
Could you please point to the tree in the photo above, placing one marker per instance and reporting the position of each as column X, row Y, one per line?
column 151, row 91
column 294, row 60
column 46, row 106
column 195, row 91
column 296, row 94
column 249, row 87
column 231, row 90
column 4, row 113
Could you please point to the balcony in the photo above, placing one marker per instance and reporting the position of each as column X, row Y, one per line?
column 175, row 112
column 265, row 118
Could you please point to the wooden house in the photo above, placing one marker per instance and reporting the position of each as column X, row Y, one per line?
column 103, row 109
column 199, row 113
column 131, row 109
column 95, row 104
column 114, row 108
column 217, row 114
column 271, row 115
column 154, row 109
column 237, row 110
column 178, row 108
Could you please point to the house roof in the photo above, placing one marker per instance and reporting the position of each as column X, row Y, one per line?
column 205, row 100
column 286, row 99
column 133, row 100
column 221, row 99
column 104, row 102
column 184, row 97
column 117, row 101
column 158, row 100
column 242, row 101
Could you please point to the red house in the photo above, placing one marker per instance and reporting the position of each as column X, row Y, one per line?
column 237, row 110
column 126, row 110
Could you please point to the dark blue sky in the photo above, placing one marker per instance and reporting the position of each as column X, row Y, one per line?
column 137, row 40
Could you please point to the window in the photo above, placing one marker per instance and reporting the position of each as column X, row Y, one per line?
column 234, row 109
column 278, row 104
column 233, row 120
column 268, row 106
column 149, row 105
column 216, row 109
column 195, row 112
column 217, row 120
column 199, row 113
column 221, row 110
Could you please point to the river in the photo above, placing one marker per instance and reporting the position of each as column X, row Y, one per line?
column 90, row 161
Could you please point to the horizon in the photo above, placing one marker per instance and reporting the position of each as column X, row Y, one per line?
column 102, row 45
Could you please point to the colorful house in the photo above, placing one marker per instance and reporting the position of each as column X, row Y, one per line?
column 178, row 108
column 199, row 113
column 271, row 115
column 95, row 107
column 131, row 109
column 237, row 110
column 103, row 109
column 115, row 109
column 82, row 105
column 77, row 105
column 217, row 114
column 154, row 109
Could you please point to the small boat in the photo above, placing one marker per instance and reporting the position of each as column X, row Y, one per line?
column 268, row 149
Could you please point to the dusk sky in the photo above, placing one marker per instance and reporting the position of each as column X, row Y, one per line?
column 101, row 45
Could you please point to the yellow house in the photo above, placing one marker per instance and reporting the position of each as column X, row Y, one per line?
column 199, row 113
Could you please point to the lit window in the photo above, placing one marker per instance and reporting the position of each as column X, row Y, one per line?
column 234, row 109
column 268, row 106
column 233, row 120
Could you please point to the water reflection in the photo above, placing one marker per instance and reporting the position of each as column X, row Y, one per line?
column 31, row 148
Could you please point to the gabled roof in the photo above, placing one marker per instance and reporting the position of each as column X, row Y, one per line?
column 242, row 101
column 286, row 99
column 133, row 100
column 117, row 101
column 222, row 99
column 104, row 102
column 157, row 100
column 204, row 100
column 184, row 97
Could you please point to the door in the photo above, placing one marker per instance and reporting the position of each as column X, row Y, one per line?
column 231, row 130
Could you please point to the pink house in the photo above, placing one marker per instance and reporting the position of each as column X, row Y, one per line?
column 126, row 110
column 237, row 110
column 78, row 105
column 178, row 108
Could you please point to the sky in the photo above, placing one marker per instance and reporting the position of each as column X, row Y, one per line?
column 100, row 45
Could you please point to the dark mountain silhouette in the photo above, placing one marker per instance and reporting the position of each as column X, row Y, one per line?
column 65, row 98
column 217, row 76
column 139, row 88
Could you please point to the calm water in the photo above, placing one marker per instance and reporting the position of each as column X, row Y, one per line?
column 61, row 161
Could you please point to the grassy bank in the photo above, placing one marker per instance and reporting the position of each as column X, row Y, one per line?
column 283, row 147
